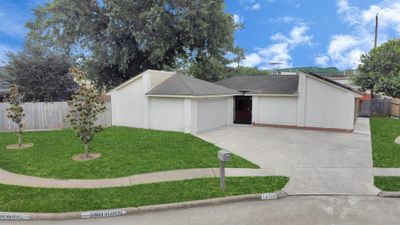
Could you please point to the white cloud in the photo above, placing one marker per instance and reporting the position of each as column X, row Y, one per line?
column 340, row 43
column 237, row 19
column 344, row 50
column 287, row 20
column 255, row 7
column 322, row 60
column 280, row 51
column 252, row 60
column 252, row 5
column 283, row 19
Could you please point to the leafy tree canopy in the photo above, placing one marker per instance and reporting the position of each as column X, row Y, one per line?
column 244, row 71
column 117, row 39
column 41, row 75
column 380, row 69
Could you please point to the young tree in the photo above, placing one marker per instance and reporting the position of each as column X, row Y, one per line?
column 15, row 112
column 84, row 107
column 380, row 69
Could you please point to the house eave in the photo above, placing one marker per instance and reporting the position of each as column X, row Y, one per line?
column 134, row 79
column 273, row 95
column 193, row 96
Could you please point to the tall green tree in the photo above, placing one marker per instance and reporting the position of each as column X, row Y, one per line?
column 380, row 69
column 117, row 39
column 41, row 75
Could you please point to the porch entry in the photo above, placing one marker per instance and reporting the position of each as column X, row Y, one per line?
column 243, row 109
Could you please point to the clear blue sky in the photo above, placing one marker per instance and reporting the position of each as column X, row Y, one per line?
column 292, row 32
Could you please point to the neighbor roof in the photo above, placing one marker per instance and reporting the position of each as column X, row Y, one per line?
column 324, row 72
column 266, row 84
column 183, row 85
column 4, row 86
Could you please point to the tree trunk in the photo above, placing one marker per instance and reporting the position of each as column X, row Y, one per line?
column 86, row 150
column 19, row 136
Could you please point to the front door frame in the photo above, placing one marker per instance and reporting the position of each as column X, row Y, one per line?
column 243, row 109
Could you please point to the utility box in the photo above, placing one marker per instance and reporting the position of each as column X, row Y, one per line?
column 224, row 155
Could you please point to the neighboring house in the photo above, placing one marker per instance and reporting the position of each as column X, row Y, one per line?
column 176, row 102
column 332, row 73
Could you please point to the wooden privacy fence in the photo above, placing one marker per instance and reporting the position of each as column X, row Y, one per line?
column 396, row 107
column 375, row 107
column 47, row 115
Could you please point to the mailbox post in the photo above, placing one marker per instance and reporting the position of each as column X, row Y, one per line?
column 223, row 156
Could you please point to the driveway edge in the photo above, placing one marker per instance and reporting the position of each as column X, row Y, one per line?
column 140, row 210
column 389, row 194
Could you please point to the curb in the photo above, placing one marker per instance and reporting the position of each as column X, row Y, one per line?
column 141, row 209
column 388, row 194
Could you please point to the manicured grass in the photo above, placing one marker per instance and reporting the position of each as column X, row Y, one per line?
column 27, row 199
column 385, row 152
column 125, row 151
column 387, row 183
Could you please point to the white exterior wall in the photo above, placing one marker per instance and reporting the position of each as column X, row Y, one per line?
column 167, row 114
column 213, row 113
column 129, row 102
column 274, row 110
column 319, row 104
column 328, row 106
column 127, row 105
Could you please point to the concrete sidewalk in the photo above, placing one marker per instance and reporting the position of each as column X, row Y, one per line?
column 391, row 172
column 172, row 175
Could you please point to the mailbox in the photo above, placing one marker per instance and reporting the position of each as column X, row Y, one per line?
column 224, row 156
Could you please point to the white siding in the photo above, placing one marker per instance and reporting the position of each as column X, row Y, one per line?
column 166, row 114
column 129, row 102
column 275, row 110
column 327, row 106
column 212, row 113
column 127, row 105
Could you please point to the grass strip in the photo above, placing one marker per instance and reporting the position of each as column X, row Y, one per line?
column 385, row 152
column 29, row 199
column 125, row 151
column 387, row 183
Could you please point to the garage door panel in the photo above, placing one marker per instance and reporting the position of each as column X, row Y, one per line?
column 211, row 113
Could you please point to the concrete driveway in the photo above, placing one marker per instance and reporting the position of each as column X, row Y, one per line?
column 317, row 162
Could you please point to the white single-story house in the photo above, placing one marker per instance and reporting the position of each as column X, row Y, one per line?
column 172, row 101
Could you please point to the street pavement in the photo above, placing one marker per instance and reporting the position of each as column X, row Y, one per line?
column 294, row 210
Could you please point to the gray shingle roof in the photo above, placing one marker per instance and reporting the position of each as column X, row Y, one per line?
column 268, row 84
column 179, row 84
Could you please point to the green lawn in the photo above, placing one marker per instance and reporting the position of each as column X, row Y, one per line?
column 27, row 199
column 385, row 152
column 125, row 151
column 387, row 183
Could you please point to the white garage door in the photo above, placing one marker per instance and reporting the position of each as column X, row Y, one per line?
column 211, row 113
